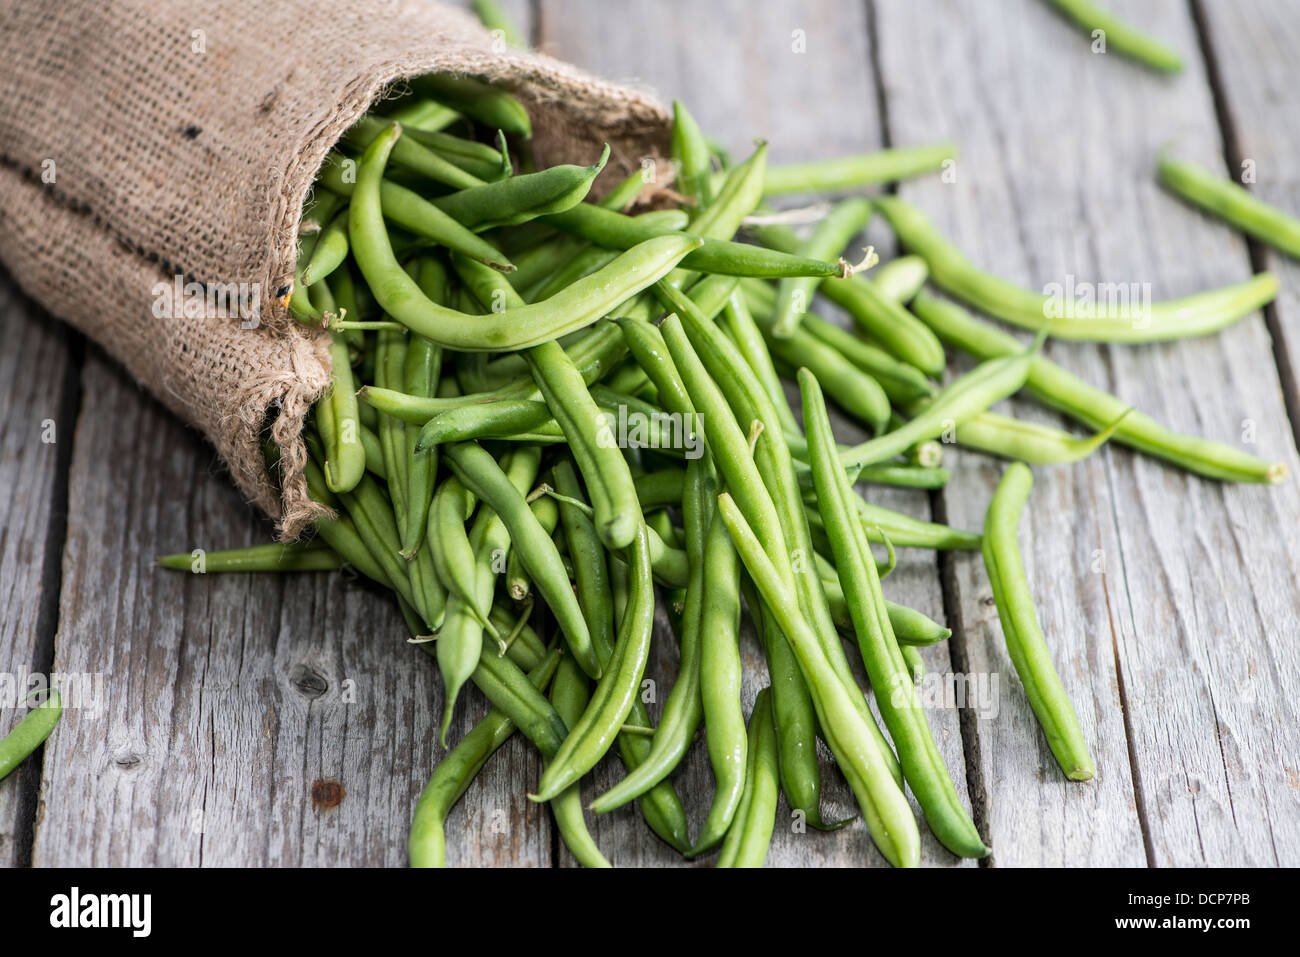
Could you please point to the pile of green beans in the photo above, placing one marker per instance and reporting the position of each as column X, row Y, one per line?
column 543, row 401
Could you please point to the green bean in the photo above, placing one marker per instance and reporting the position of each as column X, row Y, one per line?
column 1061, row 390
column 493, row 16
column 494, row 108
column 720, row 681
column 374, row 454
column 484, row 420
column 748, row 401
column 904, row 476
column 831, row 236
column 330, row 250
column 1029, row 442
column 390, row 363
column 408, row 209
column 902, row 278
column 854, row 390
column 1119, row 36
column 535, row 264
column 481, row 474
column 907, row 532
column 518, row 634
column 453, row 555
column 508, row 688
column 426, row 844
column 345, row 456
column 683, row 710
column 1195, row 315
column 796, row 726
column 750, row 838
column 914, row 662
column 30, row 733
column 604, row 227
column 739, row 323
column 881, row 318
column 273, row 557
column 661, row 487
column 969, row 395
column 462, row 629
column 900, row 381
column 372, row 515
column 660, row 806
column 583, row 264
column 519, row 582
column 341, row 533
column 323, row 208
column 856, row 171
column 1024, row 638
column 569, row 696
column 516, row 200
column 884, row 808
column 593, row 358
column 741, row 191
column 617, row 689
column 411, row 155
column 477, row 159
column 422, row 365
column 578, row 306
column 625, row 193
column 424, row 114
column 691, row 155
column 899, row 704
column 1231, row 203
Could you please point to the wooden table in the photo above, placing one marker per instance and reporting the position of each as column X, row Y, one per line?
column 263, row 720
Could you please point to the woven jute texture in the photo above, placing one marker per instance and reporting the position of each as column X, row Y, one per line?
column 147, row 143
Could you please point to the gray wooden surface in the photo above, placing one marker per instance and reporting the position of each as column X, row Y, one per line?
column 256, row 720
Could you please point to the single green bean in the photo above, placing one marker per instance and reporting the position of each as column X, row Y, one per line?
column 1029, row 442
column 748, row 840
column 330, row 250
column 1119, row 36
column 1024, row 638
column 519, row 582
column 857, row 170
column 691, row 156
column 569, row 696
column 30, row 733
column 1232, row 203
column 1124, row 322
column 516, row 200
column 272, row 557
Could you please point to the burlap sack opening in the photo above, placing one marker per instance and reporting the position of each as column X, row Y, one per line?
column 141, row 142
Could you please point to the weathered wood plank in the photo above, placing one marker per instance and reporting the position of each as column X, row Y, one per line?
column 1153, row 611
column 37, row 394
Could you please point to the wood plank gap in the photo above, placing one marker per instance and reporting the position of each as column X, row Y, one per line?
column 1233, row 156
column 47, row 620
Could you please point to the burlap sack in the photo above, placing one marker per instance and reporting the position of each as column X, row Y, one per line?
column 143, row 141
